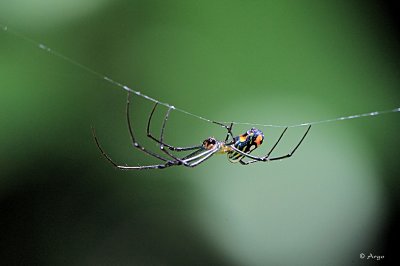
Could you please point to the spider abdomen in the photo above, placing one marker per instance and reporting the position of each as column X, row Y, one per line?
column 247, row 142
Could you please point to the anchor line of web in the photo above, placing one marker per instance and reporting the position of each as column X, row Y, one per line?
column 87, row 69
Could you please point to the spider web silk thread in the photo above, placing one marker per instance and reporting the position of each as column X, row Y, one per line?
column 52, row 52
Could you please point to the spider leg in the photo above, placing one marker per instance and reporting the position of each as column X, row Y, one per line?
column 198, row 154
column 255, row 159
column 228, row 128
column 247, row 154
column 276, row 143
column 229, row 132
column 193, row 153
column 133, row 139
column 122, row 167
column 244, row 163
column 161, row 141
column 295, row 148
column 172, row 148
column 266, row 158
column 207, row 155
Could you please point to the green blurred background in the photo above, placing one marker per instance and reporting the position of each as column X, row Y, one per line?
column 269, row 62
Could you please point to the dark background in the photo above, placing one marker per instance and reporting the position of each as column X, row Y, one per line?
column 268, row 62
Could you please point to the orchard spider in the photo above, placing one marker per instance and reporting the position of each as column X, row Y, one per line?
column 237, row 149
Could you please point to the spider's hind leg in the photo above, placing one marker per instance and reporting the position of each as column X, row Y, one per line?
column 266, row 157
column 295, row 148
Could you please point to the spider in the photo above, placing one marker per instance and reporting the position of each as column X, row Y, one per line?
column 237, row 148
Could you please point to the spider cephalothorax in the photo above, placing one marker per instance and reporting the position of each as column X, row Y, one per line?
column 209, row 143
column 237, row 149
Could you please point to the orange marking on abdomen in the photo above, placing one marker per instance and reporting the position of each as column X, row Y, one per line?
column 258, row 140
